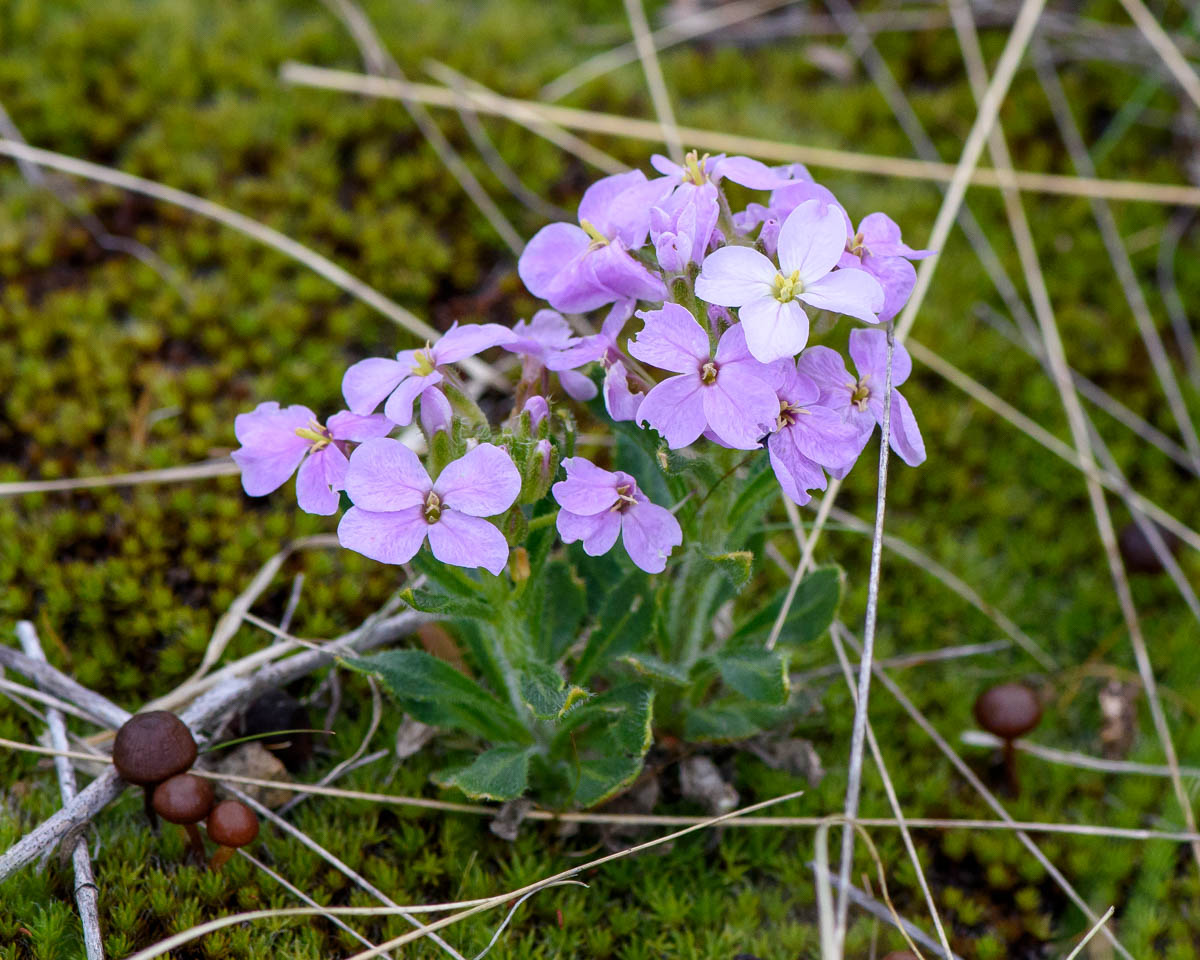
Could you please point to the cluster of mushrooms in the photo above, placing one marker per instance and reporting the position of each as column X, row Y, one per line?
column 154, row 750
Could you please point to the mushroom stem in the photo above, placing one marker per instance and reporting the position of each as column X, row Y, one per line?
column 1010, row 768
column 220, row 858
column 148, row 804
column 195, row 841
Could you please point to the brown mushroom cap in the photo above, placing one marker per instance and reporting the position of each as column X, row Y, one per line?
column 150, row 747
column 184, row 798
column 1008, row 711
column 232, row 824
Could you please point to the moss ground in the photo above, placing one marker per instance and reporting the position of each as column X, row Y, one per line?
column 105, row 368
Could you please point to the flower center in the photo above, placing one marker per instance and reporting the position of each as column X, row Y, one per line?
column 789, row 413
column 860, row 394
column 694, row 168
column 857, row 245
column 788, row 288
column 424, row 361
column 316, row 435
column 625, row 498
column 433, row 508
column 598, row 239
column 708, row 373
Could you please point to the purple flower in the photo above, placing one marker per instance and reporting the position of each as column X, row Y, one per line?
column 538, row 410
column 682, row 226
column 597, row 505
column 396, row 506
column 415, row 373
column 807, row 435
column 579, row 268
column 878, row 249
column 725, row 393
column 275, row 441
column 696, row 171
column 859, row 400
column 542, row 341
column 811, row 241
column 620, row 400
column 783, row 200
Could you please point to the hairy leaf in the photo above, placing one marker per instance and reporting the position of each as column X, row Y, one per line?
column 811, row 613
column 501, row 773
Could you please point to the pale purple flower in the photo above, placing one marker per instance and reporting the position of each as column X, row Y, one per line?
column 859, row 400
column 807, row 435
column 799, row 188
column 542, row 342
column 579, row 268
column 416, row 373
column 682, row 226
column 768, row 298
column 275, row 441
column 696, row 171
column 396, row 506
column 598, row 505
column 620, row 399
column 725, row 392
column 538, row 410
column 878, row 249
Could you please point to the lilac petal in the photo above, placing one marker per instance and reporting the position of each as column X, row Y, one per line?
column 268, row 428
column 314, row 490
column 733, row 276
column 824, row 437
column 787, row 198
column 482, row 483
column 623, row 277
column 587, row 350
column 546, row 252
column 466, row 541
column 263, row 474
column 548, row 330
column 357, row 428
column 749, row 173
column 458, row 343
column 897, row 277
column 868, row 348
column 853, row 292
column 393, row 537
column 811, row 240
column 667, row 166
column 774, row 330
column 384, row 475
column 739, row 408
column 587, row 490
column 904, row 434
column 793, row 386
column 537, row 408
column 732, row 349
column 828, row 370
column 650, row 532
column 599, row 206
column 794, row 471
column 620, row 402
column 598, row 531
column 367, row 382
column 881, row 237
column 674, row 410
column 670, row 340
column 577, row 386
column 436, row 412
column 399, row 405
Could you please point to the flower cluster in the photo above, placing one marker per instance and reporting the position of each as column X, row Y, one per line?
column 722, row 355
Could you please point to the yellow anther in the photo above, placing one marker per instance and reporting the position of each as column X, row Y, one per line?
column 433, row 508
column 315, row 434
column 861, row 394
column 598, row 239
column 789, row 287
column 422, row 361
column 625, row 498
column 708, row 373
column 694, row 168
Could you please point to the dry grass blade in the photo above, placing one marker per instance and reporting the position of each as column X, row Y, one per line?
column 721, row 142
column 654, row 78
column 1165, row 47
column 197, row 471
column 1071, row 758
column 1091, row 933
column 1184, row 338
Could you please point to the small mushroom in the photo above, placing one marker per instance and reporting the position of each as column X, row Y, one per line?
column 149, row 748
column 231, row 824
column 1008, row 711
column 185, row 799
column 1137, row 551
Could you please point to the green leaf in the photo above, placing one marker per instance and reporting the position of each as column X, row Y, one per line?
column 563, row 609
column 601, row 777
column 624, row 622
column 501, row 773
column 812, row 611
column 727, row 722
column 656, row 669
column 437, row 694
column 623, row 716
column 444, row 605
column 755, row 498
column 759, row 675
column 736, row 567
column 545, row 693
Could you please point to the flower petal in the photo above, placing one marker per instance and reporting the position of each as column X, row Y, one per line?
column 774, row 330
column 436, row 412
column 384, row 475
column 367, row 382
column 881, row 237
column 598, row 531
column 905, row 436
column 314, row 482
column 650, row 533
column 796, row 473
column 588, row 489
column 739, row 408
column 577, row 386
column 868, row 348
column 615, row 271
column 811, row 240
column 460, row 342
column 733, row 276
column 547, row 253
column 853, row 292
column 393, row 537
column 270, row 450
column 828, row 370
column 482, row 483
column 822, row 436
column 897, row 277
column 467, row 541
column 357, row 428
column 399, row 405
column 674, row 410
column 749, row 173
column 620, row 402
column 670, row 340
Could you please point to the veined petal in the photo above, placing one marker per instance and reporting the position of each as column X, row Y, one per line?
column 270, row 429
column 853, row 292
column 620, row 402
column 905, row 435
column 263, row 474
column 739, row 408
column 587, row 490
column 733, row 276
column 482, row 483
column 466, row 541
column 623, row 277
column 868, row 348
column 598, row 205
column 828, row 370
column 393, row 537
column 881, row 237
column 650, row 533
column 436, row 412
column 824, row 437
column 547, row 253
column 732, row 349
column 399, row 405
column 460, row 342
column 357, row 428
column 674, row 410
column 749, row 173
column 598, row 531
column 811, row 240
column 367, row 382
column 384, row 475
column 794, row 471
column 670, row 340
column 577, row 386
column 774, row 330
column 314, row 492
column 897, row 277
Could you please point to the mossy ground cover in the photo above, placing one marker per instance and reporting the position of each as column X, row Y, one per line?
column 105, row 368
